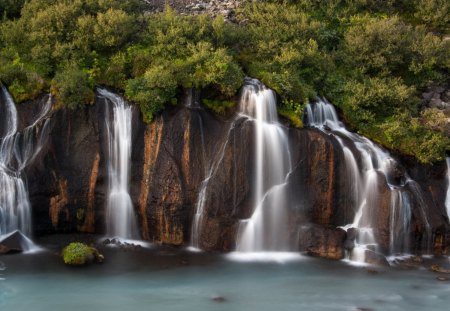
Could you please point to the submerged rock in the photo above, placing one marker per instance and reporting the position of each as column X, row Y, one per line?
column 218, row 299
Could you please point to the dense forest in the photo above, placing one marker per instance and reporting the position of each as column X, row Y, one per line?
column 373, row 59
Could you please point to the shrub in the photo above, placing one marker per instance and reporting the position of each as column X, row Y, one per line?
column 72, row 87
column 77, row 254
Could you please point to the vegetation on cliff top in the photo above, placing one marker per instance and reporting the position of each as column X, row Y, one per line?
column 371, row 58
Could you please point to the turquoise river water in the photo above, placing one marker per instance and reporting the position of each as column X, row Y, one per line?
column 169, row 279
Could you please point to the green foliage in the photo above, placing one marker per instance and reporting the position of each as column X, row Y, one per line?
column 219, row 106
column 370, row 57
column 434, row 13
column 10, row 8
column 409, row 135
column 72, row 87
column 282, row 49
column 77, row 254
column 292, row 111
column 50, row 34
column 180, row 51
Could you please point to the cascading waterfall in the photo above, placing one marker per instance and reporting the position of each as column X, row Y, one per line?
column 364, row 177
column 265, row 229
column 120, row 216
column 17, row 151
column 447, row 198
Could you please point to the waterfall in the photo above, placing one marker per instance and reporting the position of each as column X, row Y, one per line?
column 447, row 198
column 18, row 149
column 364, row 177
column 120, row 216
column 265, row 230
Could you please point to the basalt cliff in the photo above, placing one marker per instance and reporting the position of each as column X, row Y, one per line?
column 173, row 155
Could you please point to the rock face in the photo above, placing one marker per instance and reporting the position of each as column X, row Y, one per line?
column 186, row 145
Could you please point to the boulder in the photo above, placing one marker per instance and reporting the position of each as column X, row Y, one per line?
column 79, row 254
column 375, row 258
column 13, row 243
column 320, row 241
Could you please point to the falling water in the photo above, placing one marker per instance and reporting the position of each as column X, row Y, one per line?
column 447, row 198
column 120, row 217
column 375, row 163
column 17, row 151
column 265, row 229
column 201, row 200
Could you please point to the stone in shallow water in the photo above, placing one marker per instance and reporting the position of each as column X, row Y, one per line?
column 218, row 299
column 13, row 243
column 439, row 269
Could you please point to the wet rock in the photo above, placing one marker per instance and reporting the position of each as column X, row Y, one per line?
column 412, row 262
column 218, row 299
column 352, row 234
column 375, row 258
column 13, row 243
column 439, row 269
column 6, row 250
column 322, row 242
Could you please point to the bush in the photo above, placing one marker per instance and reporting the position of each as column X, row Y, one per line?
column 77, row 254
column 72, row 87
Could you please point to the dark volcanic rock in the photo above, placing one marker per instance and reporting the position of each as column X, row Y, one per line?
column 13, row 243
column 322, row 242
column 171, row 158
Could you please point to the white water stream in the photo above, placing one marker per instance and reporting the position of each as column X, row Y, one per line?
column 120, row 218
column 364, row 175
column 17, row 150
column 265, row 230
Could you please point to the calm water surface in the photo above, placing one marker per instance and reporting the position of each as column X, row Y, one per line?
column 179, row 280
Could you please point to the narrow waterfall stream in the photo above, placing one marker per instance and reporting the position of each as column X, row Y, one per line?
column 120, row 216
column 265, row 229
column 17, row 151
column 364, row 174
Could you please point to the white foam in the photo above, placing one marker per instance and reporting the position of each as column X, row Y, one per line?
column 126, row 241
column 278, row 257
column 194, row 249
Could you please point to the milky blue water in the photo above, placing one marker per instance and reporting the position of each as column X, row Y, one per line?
column 183, row 281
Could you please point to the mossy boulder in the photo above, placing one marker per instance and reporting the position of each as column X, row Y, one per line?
column 77, row 254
